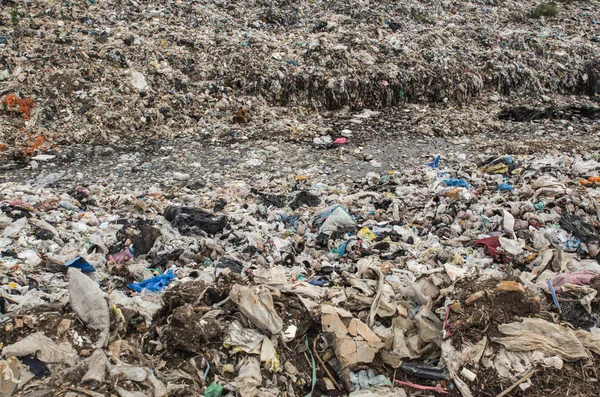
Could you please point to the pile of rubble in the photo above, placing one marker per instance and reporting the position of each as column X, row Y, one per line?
column 109, row 70
column 455, row 277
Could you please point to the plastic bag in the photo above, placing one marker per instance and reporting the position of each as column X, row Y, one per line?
column 492, row 244
column 258, row 308
column 305, row 198
column 130, row 372
column 268, row 355
column 430, row 327
column 366, row 234
column 423, row 371
column 270, row 199
column 249, row 378
column 81, row 264
column 365, row 380
column 213, row 390
column 9, row 376
column 243, row 339
column 154, row 284
column 576, row 278
column 121, row 257
column 436, row 162
column 513, row 247
column 580, row 228
column 508, row 223
column 456, row 183
column 97, row 366
column 536, row 334
column 13, row 229
column 89, row 303
column 193, row 220
column 338, row 220
column 44, row 348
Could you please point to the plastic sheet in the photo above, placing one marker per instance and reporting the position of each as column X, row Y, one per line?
column 154, row 284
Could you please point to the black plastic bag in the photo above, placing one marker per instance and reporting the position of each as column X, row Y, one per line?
column 580, row 228
column 270, row 199
column 305, row 198
column 192, row 220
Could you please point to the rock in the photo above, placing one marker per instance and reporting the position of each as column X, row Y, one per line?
column 180, row 176
column 63, row 326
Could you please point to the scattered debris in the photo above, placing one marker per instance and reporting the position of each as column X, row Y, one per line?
column 321, row 288
column 202, row 198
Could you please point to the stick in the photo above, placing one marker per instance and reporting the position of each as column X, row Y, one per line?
column 222, row 302
column 421, row 387
column 85, row 391
column 517, row 383
column 323, row 365
column 199, row 298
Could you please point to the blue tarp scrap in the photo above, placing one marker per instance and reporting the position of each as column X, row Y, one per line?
column 154, row 284
column 81, row 264
column 457, row 183
column 436, row 162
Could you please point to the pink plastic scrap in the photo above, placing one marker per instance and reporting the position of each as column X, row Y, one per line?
column 340, row 141
column 420, row 387
column 121, row 257
column 583, row 277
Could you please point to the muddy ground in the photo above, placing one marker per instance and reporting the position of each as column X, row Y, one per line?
column 394, row 139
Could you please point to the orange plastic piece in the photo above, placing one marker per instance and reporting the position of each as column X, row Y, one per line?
column 591, row 179
column 35, row 143
column 11, row 101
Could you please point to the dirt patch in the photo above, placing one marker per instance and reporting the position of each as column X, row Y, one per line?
column 524, row 113
column 184, row 293
column 575, row 380
column 484, row 307
column 188, row 331
column 49, row 323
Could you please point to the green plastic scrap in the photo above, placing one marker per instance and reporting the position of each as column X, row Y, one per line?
column 314, row 369
column 213, row 390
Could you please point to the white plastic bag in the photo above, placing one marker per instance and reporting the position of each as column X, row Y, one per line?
column 258, row 308
column 89, row 303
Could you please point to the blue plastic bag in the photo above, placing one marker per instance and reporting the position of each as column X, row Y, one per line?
column 457, row 183
column 291, row 220
column 319, row 281
column 436, row 162
column 154, row 284
column 341, row 250
column 505, row 186
column 81, row 264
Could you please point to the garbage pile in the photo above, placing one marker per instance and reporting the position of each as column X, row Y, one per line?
column 107, row 70
column 455, row 277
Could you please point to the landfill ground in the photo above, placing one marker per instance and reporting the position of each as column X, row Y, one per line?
column 299, row 199
column 390, row 141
